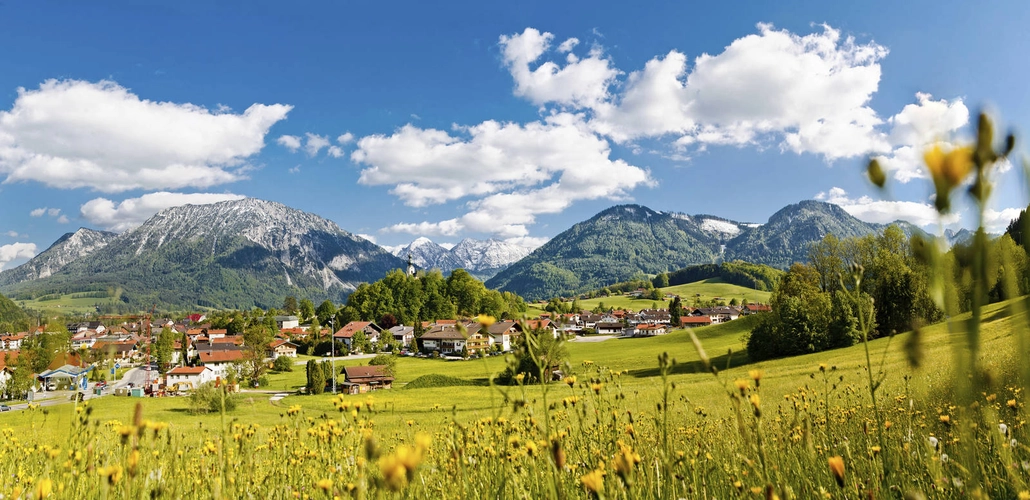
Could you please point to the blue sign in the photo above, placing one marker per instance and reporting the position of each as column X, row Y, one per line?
column 84, row 383
column 117, row 365
column 112, row 371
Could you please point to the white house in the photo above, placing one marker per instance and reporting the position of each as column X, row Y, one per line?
column 609, row 328
column 220, row 361
column 502, row 332
column 403, row 334
column 12, row 342
column 282, row 347
column 189, row 377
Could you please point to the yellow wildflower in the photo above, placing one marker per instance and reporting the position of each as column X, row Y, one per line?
column 112, row 473
column 837, row 468
column 324, row 484
column 625, row 459
column 44, row 488
column 742, row 385
column 951, row 167
column 593, row 481
column 486, row 320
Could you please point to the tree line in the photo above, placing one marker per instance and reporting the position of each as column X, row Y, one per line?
column 886, row 278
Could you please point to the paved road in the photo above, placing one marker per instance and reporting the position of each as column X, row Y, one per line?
column 137, row 376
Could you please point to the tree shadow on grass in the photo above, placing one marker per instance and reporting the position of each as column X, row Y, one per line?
column 723, row 362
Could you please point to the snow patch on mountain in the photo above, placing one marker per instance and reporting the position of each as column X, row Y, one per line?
column 482, row 258
column 66, row 249
column 720, row 226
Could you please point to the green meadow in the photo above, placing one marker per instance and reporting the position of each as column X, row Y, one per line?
column 703, row 291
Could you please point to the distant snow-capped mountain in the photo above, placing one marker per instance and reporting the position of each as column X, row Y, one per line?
column 66, row 249
column 480, row 258
column 232, row 254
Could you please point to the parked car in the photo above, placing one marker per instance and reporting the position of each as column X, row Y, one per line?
column 5, row 408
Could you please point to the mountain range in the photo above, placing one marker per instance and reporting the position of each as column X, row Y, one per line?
column 249, row 252
column 233, row 254
column 482, row 259
column 628, row 241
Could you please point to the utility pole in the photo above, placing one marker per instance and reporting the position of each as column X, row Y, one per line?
column 332, row 348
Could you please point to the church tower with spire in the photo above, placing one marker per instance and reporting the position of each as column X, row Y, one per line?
column 411, row 266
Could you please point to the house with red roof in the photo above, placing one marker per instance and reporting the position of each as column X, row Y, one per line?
column 220, row 360
column 280, row 347
column 346, row 334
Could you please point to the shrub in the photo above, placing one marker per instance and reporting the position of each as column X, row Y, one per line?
column 208, row 398
column 282, row 364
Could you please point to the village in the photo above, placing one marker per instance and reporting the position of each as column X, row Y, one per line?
column 201, row 354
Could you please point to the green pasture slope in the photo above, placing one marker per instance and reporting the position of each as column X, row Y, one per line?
column 698, row 391
column 704, row 290
column 66, row 304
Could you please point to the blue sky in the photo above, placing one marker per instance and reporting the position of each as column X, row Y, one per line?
column 511, row 121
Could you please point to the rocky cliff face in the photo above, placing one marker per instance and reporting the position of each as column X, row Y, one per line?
column 238, row 253
column 66, row 249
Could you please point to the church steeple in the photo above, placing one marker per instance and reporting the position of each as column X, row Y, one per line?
column 411, row 266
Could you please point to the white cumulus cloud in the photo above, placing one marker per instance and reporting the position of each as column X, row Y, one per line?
column 580, row 82
column 73, row 133
column 39, row 212
column 315, row 143
column 16, row 251
column 997, row 221
column 346, row 138
column 868, row 209
column 916, row 127
column 511, row 172
column 812, row 92
column 132, row 212
column 290, row 142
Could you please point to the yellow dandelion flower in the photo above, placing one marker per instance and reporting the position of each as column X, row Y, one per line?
column 486, row 320
column 625, row 459
column 596, row 387
column 44, row 488
column 1024, row 495
column 755, row 375
column 1011, row 403
column 112, row 473
column 945, row 419
column 950, row 168
column 324, row 484
column 570, row 380
column 837, row 468
column 593, row 481
column 742, row 384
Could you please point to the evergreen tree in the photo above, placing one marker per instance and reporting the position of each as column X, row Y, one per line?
column 675, row 311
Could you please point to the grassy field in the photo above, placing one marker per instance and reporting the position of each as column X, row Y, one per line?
column 66, row 305
column 705, row 290
column 809, row 404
